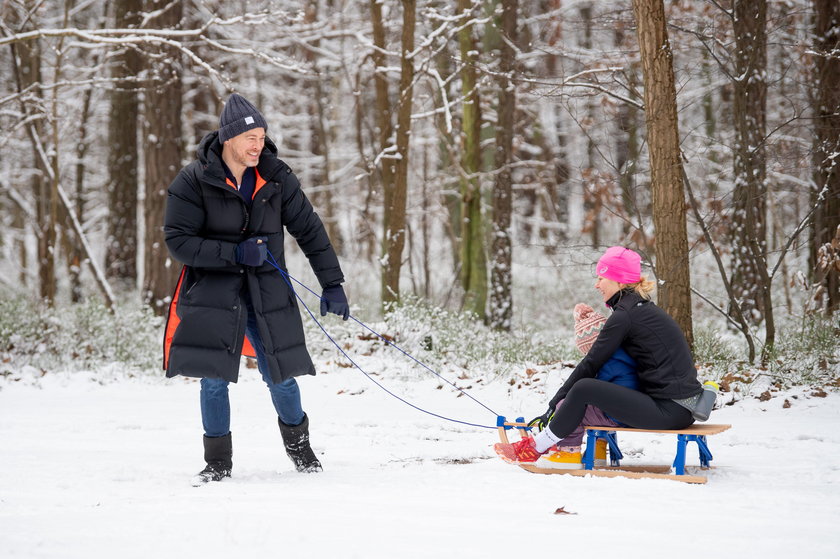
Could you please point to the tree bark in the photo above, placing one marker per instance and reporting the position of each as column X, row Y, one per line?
column 163, row 157
column 121, row 245
column 827, row 146
column 749, row 230
column 500, row 312
column 319, row 136
column 389, row 293
column 627, row 148
column 26, row 58
column 669, row 208
column 75, row 252
column 473, row 259
column 751, row 275
column 396, row 197
column 592, row 185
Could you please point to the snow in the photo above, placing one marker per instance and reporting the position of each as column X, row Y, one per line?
column 101, row 468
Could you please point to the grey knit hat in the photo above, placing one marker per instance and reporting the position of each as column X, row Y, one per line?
column 239, row 116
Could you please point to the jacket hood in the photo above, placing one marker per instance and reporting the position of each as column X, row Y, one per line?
column 209, row 154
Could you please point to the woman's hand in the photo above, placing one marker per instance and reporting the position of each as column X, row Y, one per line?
column 541, row 421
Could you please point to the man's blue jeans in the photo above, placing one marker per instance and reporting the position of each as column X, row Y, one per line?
column 215, row 403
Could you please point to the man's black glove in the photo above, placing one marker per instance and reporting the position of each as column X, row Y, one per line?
column 335, row 301
column 251, row 252
column 541, row 421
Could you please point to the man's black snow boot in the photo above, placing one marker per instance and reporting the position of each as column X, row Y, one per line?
column 218, row 453
column 296, row 441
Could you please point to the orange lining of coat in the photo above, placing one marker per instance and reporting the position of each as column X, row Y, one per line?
column 259, row 184
column 173, row 321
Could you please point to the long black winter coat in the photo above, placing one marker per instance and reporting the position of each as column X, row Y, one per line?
column 205, row 219
column 651, row 337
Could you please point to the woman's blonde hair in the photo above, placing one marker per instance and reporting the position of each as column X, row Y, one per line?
column 644, row 287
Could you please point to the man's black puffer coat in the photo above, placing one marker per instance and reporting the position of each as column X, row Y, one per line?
column 651, row 337
column 205, row 219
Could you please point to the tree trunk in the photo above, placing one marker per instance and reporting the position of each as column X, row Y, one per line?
column 554, row 146
column 75, row 253
column 384, row 125
column 121, row 245
column 827, row 145
column 627, row 148
column 425, row 225
column 592, row 184
column 669, row 212
column 163, row 156
column 473, row 259
column 500, row 312
column 396, row 197
column 26, row 57
column 748, row 232
column 319, row 143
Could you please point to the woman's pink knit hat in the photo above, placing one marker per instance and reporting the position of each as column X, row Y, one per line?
column 588, row 324
column 620, row 264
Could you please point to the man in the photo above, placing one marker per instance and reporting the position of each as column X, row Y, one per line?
column 225, row 215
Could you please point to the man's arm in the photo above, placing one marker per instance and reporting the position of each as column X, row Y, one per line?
column 183, row 223
column 306, row 227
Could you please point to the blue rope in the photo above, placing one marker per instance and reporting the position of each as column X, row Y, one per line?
column 287, row 277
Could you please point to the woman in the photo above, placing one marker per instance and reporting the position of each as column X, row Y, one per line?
column 668, row 385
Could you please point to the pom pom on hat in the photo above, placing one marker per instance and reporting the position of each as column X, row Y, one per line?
column 588, row 324
column 620, row 264
column 239, row 116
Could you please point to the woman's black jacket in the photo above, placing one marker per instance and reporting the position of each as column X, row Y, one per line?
column 651, row 337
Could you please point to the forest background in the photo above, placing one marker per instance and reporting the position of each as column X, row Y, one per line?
column 469, row 158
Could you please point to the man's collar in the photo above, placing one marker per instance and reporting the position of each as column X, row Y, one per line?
column 230, row 176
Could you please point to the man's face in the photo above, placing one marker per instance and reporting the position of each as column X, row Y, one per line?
column 245, row 148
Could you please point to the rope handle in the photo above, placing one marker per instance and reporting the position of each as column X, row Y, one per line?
column 288, row 278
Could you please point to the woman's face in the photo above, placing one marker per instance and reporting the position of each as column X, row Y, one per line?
column 607, row 287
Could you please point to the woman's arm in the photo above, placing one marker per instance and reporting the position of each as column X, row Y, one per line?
column 609, row 340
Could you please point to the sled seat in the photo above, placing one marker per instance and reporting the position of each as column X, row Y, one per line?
column 696, row 433
column 677, row 471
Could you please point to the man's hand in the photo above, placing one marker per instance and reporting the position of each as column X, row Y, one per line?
column 335, row 301
column 252, row 252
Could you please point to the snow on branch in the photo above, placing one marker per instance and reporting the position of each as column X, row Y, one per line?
column 831, row 54
column 274, row 61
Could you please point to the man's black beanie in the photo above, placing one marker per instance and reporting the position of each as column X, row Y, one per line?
column 239, row 116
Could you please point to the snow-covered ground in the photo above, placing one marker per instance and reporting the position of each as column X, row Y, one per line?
column 101, row 470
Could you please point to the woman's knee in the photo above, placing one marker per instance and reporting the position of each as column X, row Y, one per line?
column 585, row 388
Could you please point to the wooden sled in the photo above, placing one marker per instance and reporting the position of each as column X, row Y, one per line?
column 677, row 471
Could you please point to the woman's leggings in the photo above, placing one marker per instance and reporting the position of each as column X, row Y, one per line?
column 628, row 406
